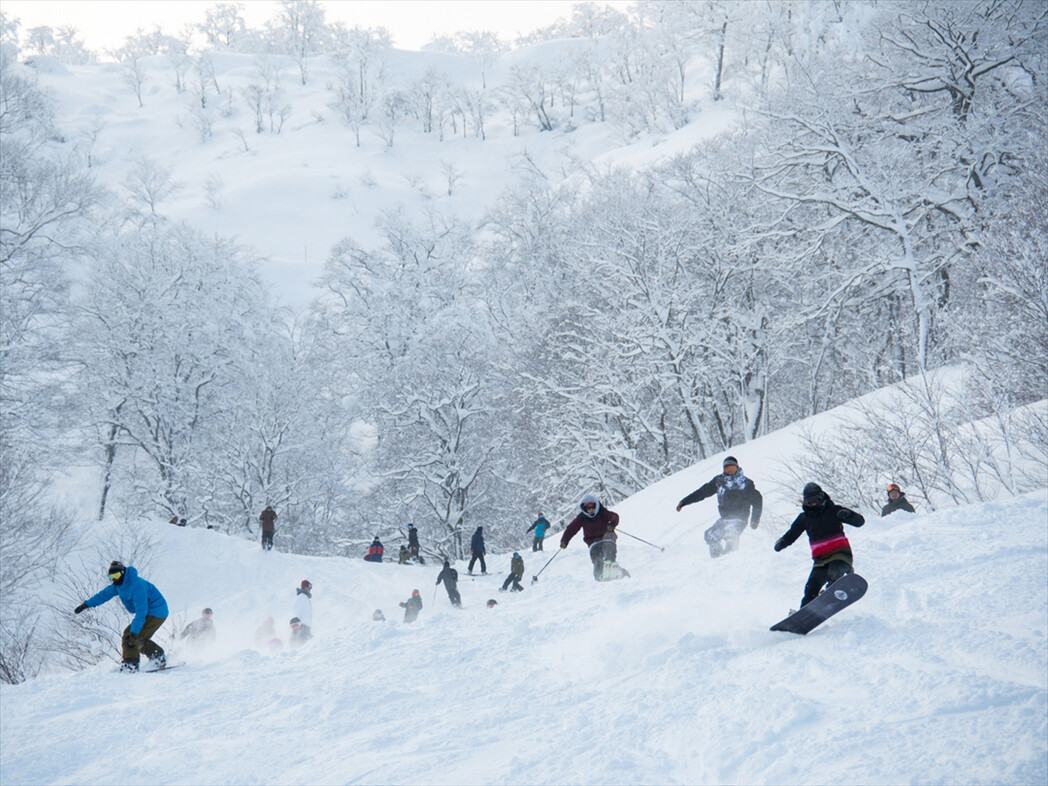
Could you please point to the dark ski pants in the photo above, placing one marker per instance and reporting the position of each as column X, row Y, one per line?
column 723, row 536
column 821, row 575
column 536, row 545
column 134, row 646
column 600, row 552
column 267, row 541
column 515, row 579
column 473, row 561
column 454, row 597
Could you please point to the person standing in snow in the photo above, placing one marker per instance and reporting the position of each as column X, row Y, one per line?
column 516, row 573
column 598, row 532
column 540, row 526
column 476, row 548
column 413, row 546
column 405, row 556
column 201, row 631
column 412, row 606
column 737, row 501
column 896, row 501
column 268, row 517
column 450, row 578
column 830, row 550
column 144, row 601
column 304, row 606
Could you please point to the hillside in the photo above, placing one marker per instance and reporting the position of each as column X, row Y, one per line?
column 291, row 195
column 937, row 676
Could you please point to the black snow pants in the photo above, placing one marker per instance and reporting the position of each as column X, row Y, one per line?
column 821, row 575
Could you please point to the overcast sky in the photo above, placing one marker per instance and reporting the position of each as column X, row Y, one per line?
column 103, row 24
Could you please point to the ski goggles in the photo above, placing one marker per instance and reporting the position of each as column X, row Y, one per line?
column 590, row 507
column 731, row 469
column 115, row 576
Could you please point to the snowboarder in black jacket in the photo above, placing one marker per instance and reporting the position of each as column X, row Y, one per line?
column 896, row 501
column 476, row 547
column 413, row 546
column 830, row 550
column 450, row 578
column 737, row 501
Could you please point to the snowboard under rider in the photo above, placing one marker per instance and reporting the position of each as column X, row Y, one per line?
column 142, row 599
column 598, row 532
column 450, row 578
column 737, row 501
column 831, row 553
column 896, row 501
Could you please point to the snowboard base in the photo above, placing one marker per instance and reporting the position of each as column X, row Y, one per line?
column 839, row 595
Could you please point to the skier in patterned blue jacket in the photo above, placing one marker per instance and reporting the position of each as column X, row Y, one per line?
column 737, row 501
column 144, row 601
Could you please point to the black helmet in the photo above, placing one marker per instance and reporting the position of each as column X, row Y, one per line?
column 813, row 494
column 116, row 571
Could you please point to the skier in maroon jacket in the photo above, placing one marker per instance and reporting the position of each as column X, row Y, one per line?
column 598, row 532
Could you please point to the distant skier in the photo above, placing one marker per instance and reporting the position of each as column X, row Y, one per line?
column 300, row 633
column 830, row 550
column 516, row 573
column 598, row 532
column 268, row 517
column 375, row 551
column 412, row 606
column 200, row 631
column 540, row 525
column 144, row 601
column 304, row 605
column 413, row 546
column 378, row 616
column 405, row 556
column 450, row 578
column 896, row 501
column 476, row 548
column 737, row 501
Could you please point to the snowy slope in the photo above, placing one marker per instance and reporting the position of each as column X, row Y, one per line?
column 937, row 676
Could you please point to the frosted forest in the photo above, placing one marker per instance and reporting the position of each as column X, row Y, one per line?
column 296, row 266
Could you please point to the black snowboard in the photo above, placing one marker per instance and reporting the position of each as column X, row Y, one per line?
column 839, row 595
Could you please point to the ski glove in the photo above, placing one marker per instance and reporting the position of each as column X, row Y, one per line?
column 779, row 545
column 754, row 524
column 679, row 506
column 81, row 607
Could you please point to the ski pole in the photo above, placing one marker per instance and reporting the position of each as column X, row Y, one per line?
column 536, row 576
column 660, row 548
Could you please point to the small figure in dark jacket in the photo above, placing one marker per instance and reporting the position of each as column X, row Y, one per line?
column 896, row 501
column 268, row 517
column 405, row 556
column 375, row 551
column 201, row 631
column 476, row 548
column 737, row 501
column 413, row 546
column 540, row 526
column 412, row 607
column 450, row 578
column 830, row 550
column 516, row 573
column 598, row 532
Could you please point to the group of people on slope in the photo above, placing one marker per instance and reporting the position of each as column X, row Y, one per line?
column 739, row 502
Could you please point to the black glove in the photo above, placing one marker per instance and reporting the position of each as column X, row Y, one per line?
column 81, row 607
column 679, row 506
column 779, row 545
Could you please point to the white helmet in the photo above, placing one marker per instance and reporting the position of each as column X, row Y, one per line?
column 590, row 505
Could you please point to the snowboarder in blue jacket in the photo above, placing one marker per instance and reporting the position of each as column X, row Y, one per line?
column 540, row 526
column 144, row 601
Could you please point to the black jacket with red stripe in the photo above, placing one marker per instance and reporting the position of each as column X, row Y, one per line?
column 824, row 525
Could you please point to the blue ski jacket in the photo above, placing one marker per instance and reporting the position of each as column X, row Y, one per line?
column 540, row 526
column 138, row 596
